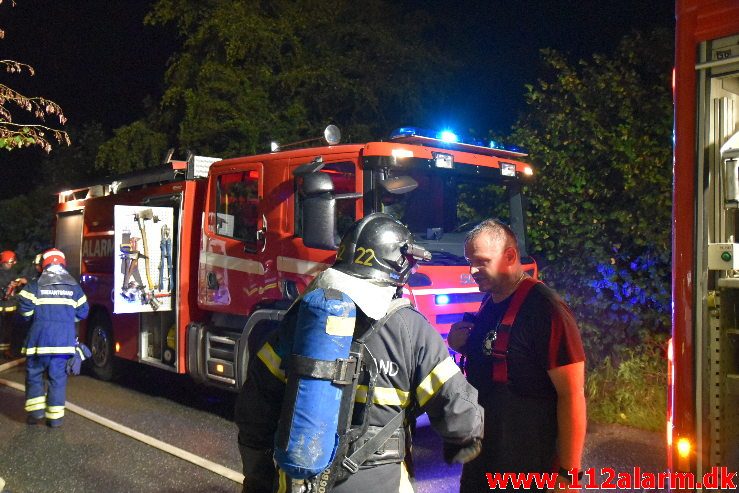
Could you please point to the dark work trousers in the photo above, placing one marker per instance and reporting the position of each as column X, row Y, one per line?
column 7, row 313
column 38, row 402
column 520, row 437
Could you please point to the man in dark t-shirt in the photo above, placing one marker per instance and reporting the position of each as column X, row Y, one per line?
column 525, row 356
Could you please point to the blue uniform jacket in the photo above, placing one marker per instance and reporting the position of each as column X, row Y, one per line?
column 56, row 302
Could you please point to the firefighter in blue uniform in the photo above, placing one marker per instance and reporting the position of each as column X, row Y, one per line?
column 415, row 373
column 55, row 301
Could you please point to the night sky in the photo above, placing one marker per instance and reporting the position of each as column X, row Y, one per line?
column 99, row 62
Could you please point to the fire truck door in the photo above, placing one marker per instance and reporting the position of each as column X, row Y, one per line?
column 236, row 240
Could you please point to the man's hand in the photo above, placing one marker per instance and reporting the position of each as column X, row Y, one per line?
column 14, row 285
column 463, row 452
column 458, row 335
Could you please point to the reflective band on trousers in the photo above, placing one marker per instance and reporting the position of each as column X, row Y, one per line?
column 35, row 403
column 54, row 412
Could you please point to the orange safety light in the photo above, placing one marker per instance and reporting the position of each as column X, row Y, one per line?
column 684, row 447
column 117, row 347
column 219, row 368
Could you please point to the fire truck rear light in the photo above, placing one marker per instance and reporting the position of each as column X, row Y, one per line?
column 401, row 153
column 442, row 160
column 684, row 448
column 507, row 169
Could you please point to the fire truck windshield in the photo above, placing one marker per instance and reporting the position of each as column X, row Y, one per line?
column 444, row 208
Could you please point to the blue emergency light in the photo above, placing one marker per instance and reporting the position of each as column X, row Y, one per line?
column 449, row 137
column 442, row 299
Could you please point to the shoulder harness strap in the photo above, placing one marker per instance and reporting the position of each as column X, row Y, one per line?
column 500, row 346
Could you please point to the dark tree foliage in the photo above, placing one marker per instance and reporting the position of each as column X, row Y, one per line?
column 69, row 167
column 252, row 71
column 25, row 223
column 599, row 134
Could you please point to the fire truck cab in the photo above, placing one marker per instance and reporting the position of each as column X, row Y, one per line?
column 183, row 265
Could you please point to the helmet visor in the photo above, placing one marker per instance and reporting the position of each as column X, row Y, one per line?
column 416, row 253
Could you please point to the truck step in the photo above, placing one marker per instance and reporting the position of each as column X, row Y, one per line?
column 220, row 358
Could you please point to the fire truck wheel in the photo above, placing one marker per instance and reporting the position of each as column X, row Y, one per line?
column 101, row 344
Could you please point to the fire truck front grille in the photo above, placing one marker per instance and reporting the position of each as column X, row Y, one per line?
column 220, row 354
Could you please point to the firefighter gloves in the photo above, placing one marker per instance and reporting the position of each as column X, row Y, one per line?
column 74, row 364
column 462, row 453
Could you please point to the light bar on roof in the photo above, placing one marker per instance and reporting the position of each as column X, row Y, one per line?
column 450, row 137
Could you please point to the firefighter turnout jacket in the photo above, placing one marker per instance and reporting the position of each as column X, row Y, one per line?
column 415, row 375
column 8, row 305
column 56, row 302
column 8, row 283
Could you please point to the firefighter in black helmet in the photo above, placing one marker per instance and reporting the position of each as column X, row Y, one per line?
column 414, row 372
column 380, row 249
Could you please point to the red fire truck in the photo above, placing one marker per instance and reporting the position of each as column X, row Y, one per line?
column 703, row 399
column 182, row 263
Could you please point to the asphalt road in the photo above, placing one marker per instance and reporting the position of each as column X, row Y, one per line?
column 84, row 456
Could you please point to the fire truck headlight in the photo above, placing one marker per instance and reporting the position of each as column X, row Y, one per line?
column 507, row 169
column 442, row 299
column 401, row 153
column 684, row 447
column 443, row 160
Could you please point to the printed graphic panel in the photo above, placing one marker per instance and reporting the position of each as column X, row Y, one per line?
column 143, row 261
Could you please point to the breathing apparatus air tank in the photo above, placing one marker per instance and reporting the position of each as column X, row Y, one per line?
column 307, row 435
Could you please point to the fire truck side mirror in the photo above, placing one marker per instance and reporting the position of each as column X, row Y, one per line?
column 319, row 223
column 318, row 211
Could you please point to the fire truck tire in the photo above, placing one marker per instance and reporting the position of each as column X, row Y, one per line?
column 100, row 340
